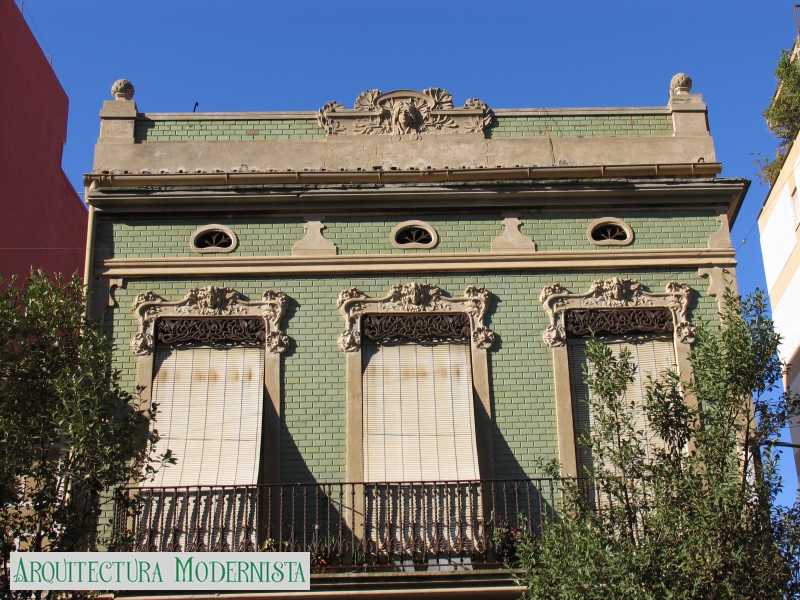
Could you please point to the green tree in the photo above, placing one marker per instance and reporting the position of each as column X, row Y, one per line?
column 690, row 517
column 70, row 435
column 782, row 116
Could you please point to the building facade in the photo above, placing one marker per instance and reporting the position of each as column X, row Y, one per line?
column 363, row 328
column 779, row 225
column 42, row 219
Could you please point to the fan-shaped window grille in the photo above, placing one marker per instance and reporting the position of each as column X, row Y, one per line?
column 414, row 234
column 610, row 232
column 214, row 238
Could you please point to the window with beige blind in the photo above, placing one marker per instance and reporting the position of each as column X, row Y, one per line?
column 209, row 414
column 419, row 420
column 651, row 355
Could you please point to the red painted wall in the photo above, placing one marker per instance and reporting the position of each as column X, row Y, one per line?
column 42, row 219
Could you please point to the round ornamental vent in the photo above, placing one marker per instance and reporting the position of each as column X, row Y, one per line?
column 610, row 232
column 414, row 234
column 214, row 238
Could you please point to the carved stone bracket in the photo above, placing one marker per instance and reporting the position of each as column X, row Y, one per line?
column 405, row 112
column 617, row 306
column 404, row 303
column 209, row 307
column 314, row 243
column 512, row 239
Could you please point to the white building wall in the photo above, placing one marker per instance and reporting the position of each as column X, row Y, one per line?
column 786, row 318
column 778, row 238
column 778, row 223
column 794, row 428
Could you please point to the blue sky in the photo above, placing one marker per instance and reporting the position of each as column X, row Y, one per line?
column 260, row 55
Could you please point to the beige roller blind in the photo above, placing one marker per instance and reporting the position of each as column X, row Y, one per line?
column 209, row 414
column 652, row 356
column 419, row 421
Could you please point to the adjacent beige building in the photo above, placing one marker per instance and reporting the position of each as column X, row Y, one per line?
column 779, row 226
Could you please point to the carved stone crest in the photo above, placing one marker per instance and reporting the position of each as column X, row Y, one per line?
column 405, row 113
column 411, row 299
column 214, row 303
column 617, row 306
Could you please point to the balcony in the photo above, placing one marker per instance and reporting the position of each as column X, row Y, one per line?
column 346, row 527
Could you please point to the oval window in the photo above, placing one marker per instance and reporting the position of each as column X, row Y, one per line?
column 214, row 238
column 414, row 234
column 610, row 232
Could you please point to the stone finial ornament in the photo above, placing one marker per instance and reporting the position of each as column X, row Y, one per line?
column 122, row 90
column 681, row 84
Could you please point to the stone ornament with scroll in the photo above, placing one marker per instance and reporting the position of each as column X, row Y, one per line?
column 421, row 306
column 210, row 315
column 617, row 306
column 405, row 114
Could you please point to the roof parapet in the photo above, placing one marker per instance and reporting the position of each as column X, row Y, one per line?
column 403, row 130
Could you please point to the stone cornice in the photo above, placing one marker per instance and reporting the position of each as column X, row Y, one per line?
column 133, row 180
column 454, row 197
column 131, row 268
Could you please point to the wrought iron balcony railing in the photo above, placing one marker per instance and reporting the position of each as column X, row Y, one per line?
column 345, row 526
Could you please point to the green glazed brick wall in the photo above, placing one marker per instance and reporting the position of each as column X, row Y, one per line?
column 313, row 430
column 264, row 237
column 161, row 238
column 153, row 130
column 469, row 233
column 682, row 229
column 569, row 125
column 149, row 130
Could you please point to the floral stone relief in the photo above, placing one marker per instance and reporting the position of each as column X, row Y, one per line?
column 405, row 114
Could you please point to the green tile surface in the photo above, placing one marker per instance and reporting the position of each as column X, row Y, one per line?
column 572, row 125
column 138, row 238
column 149, row 130
column 159, row 130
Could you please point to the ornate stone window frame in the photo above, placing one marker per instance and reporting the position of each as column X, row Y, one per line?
column 406, row 225
column 624, row 306
column 610, row 221
column 213, row 227
column 207, row 307
column 413, row 299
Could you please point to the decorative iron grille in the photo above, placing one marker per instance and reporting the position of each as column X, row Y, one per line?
column 414, row 235
column 619, row 321
column 609, row 231
column 453, row 327
column 212, row 331
column 213, row 238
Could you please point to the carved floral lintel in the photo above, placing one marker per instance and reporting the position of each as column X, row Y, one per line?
column 405, row 113
column 414, row 298
column 210, row 301
column 626, row 306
